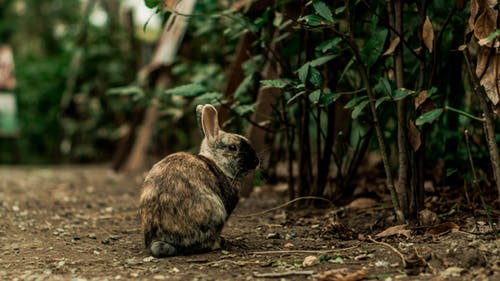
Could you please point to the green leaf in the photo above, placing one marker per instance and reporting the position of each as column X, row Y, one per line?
column 358, row 109
column 210, row 97
column 315, row 77
column 339, row 10
column 315, row 96
column 431, row 92
column 322, row 60
column 428, row 116
column 303, row 72
column 323, row 10
column 188, row 90
column 402, row 93
column 151, row 3
column 381, row 100
column 386, row 86
column 329, row 44
column 371, row 51
column 243, row 92
column 244, row 109
column 355, row 101
column 328, row 98
column 450, row 171
column 275, row 83
column 295, row 97
column 312, row 20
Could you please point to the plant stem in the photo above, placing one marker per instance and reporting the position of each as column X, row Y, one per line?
column 464, row 114
column 404, row 169
column 364, row 73
column 489, row 127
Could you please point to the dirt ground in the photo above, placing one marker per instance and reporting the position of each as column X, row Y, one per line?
column 81, row 223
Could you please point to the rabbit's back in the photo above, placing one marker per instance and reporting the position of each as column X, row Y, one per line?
column 186, row 200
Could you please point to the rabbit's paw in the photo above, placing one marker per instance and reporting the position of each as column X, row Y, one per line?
column 160, row 249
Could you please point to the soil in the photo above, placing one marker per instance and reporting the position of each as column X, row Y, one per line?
column 81, row 223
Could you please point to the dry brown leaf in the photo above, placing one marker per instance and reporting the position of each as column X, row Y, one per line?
column 395, row 230
column 485, row 24
column 341, row 274
column 392, row 47
column 428, row 34
column 442, row 228
column 362, row 203
column 474, row 9
column 420, row 98
column 414, row 135
column 488, row 69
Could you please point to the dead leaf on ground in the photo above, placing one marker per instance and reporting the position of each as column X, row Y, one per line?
column 362, row 203
column 395, row 230
column 392, row 46
column 443, row 228
column 428, row 34
column 341, row 274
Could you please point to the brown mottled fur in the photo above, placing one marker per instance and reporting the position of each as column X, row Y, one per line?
column 187, row 198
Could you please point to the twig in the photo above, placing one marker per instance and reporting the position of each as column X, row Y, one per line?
column 240, row 263
column 424, row 261
column 489, row 126
column 303, row 251
column 284, row 205
column 364, row 73
column 390, row 247
column 282, row 274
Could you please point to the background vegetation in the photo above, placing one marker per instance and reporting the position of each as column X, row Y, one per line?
column 320, row 87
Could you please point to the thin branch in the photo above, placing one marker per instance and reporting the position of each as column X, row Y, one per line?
column 282, row 274
column 489, row 126
column 285, row 205
column 364, row 72
column 303, row 251
column 391, row 248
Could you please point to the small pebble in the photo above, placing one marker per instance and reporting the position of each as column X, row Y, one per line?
column 273, row 235
column 310, row 261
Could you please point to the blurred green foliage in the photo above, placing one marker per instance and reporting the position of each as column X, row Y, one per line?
column 317, row 72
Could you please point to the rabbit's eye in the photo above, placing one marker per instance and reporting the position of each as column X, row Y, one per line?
column 232, row 147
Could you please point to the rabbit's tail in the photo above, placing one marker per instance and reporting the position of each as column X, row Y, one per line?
column 160, row 249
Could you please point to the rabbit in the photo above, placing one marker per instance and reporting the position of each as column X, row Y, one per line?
column 186, row 198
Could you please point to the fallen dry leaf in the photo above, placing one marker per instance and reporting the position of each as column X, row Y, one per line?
column 362, row 203
column 442, row 228
column 428, row 34
column 395, row 230
column 341, row 274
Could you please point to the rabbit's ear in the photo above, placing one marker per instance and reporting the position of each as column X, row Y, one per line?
column 210, row 122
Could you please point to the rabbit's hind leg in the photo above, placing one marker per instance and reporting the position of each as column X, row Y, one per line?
column 160, row 249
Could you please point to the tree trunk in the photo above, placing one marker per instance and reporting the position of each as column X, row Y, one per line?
column 164, row 55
